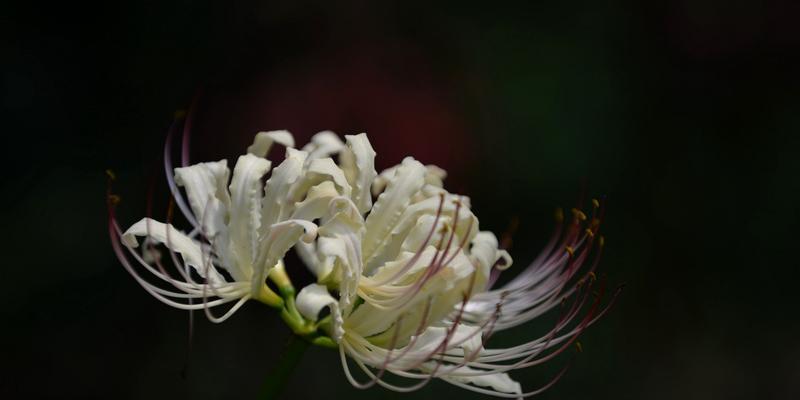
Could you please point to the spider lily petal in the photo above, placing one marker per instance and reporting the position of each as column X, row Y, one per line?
column 312, row 299
column 264, row 140
column 358, row 163
column 323, row 145
column 189, row 249
column 275, row 205
column 208, row 197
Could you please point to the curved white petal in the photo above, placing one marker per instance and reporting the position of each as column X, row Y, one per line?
column 407, row 180
column 320, row 170
column 264, row 140
column 315, row 206
column 308, row 255
column 466, row 338
column 358, row 163
column 500, row 382
column 469, row 339
column 340, row 242
column 391, row 268
column 205, row 186
column 434, row 176
column 327, row 169
column 485, row 252
column 276, row 205
column 279, row 239
column 312, row 299
column 190, row 251
column 245, row 215
column 416, row 223
column 323, row 144
column 384, row 304
column 433, row 340
column 329, row 251
column 317, row 201
column 323, row 202
column 380, row 181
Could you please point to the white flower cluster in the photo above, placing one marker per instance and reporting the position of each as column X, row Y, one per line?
column 401, row 264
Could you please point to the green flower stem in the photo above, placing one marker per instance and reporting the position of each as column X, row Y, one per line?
column 307, row 330
column 324, row 341
column 268, row 297
column 295, row 321
column 289, row 312
column 278, row 275
column 279, row 376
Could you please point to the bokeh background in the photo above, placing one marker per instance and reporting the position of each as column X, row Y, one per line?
column 684, row 115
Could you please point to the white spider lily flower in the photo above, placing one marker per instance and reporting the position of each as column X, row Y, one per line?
column 241, row 231
column 412, row 277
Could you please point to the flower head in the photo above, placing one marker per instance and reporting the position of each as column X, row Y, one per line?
column 407, row 279
column 239, row 229
column 412, row 277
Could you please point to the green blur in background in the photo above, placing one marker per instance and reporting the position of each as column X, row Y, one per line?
column 682, row 115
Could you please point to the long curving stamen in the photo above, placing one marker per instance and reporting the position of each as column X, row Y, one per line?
column 440, row 350
column 529, row 284
column 410, row 263
column 462, row 245
column 190, row 289
column 208, row 264
column 386, row 361
column 524, row 358
column 556, row 285
column 435, row 266
column 190, row 328
column 491, row 369
column 170, row 174
column 436, row 262
column 115, row 233
column 532, row 349
column 423, row 324
column 467, row 358
column 537, row 302
column 187, row 128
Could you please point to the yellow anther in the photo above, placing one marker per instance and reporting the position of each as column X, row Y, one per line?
column 579, row 214
column 579, row 347
column 114, row 199
column 592, row 276
column 559, row 214
column 589, row 232
column 571, row 251
column 601, row 241
column 111, row 175
column 595, row 203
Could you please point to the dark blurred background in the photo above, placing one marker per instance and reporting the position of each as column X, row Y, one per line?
column 684, row 115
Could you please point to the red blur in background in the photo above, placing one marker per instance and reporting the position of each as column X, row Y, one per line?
column 393, row 96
